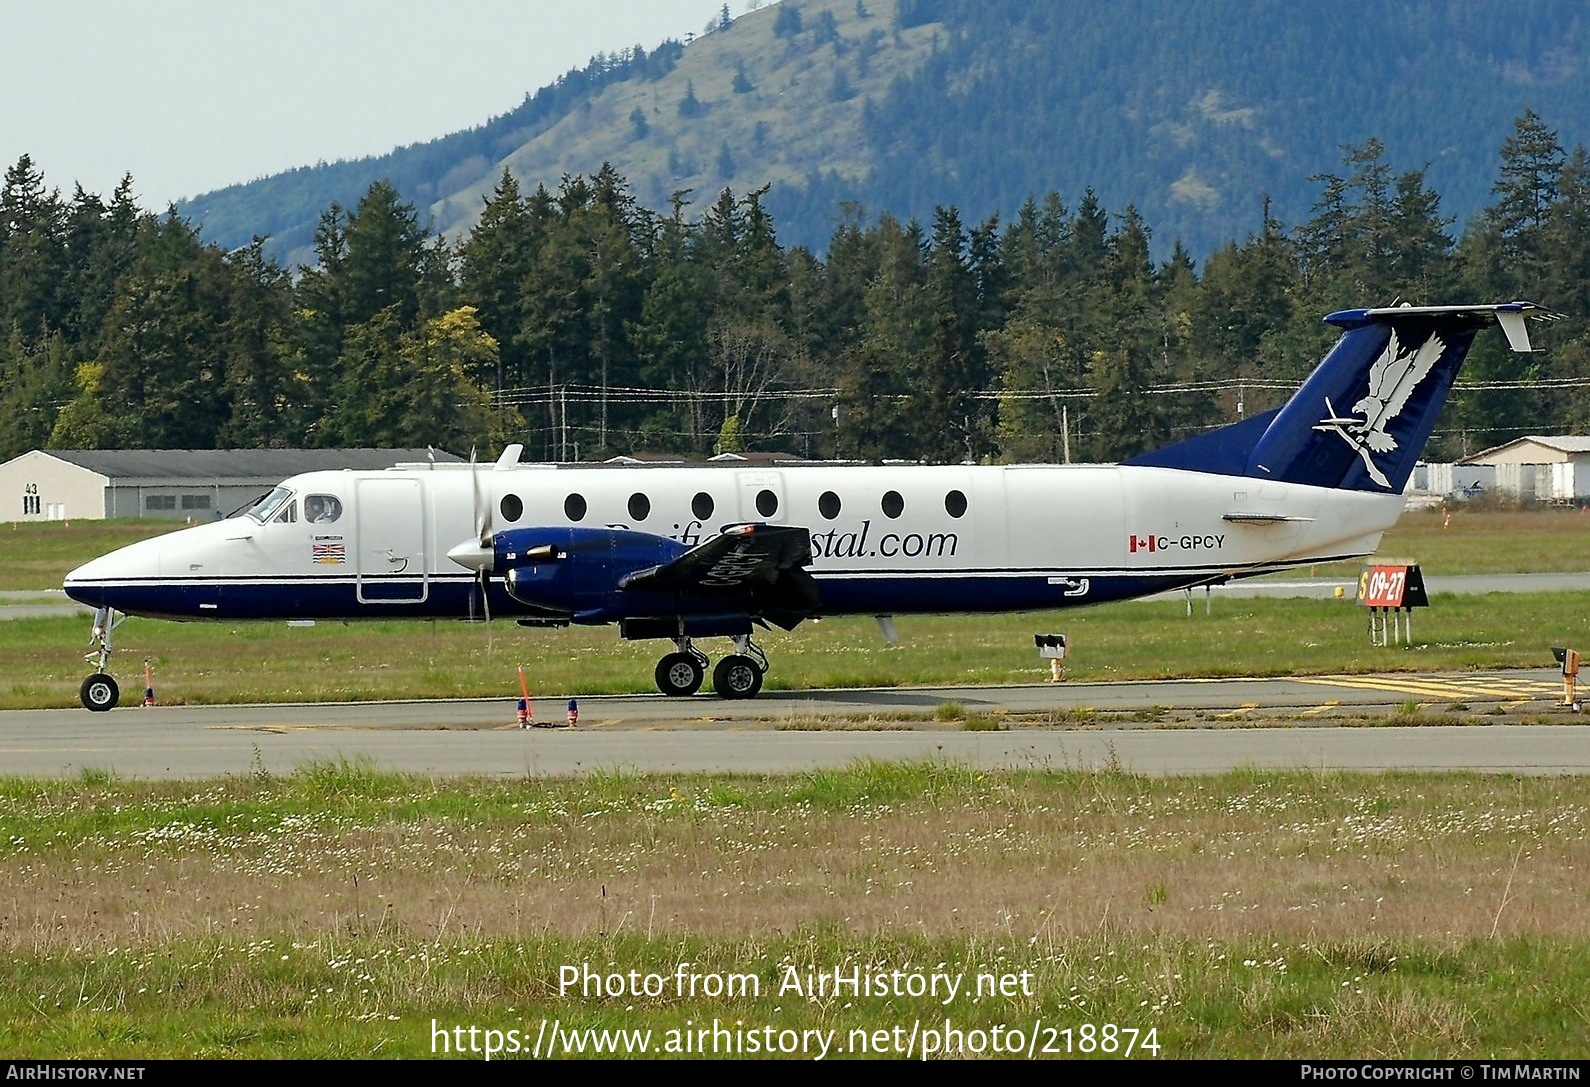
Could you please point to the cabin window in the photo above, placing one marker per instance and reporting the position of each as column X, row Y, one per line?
column 766, row 503
column 287, row 516
column 322, row 509
column 893, row 504
column 639, row 507
column 574, row 507
column 828, row 505
column 955, row 504
column 512, row 507
column 702, row 505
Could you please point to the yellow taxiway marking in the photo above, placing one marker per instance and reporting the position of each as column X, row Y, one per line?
column 271, row 726
column 1246, row 707
column 1446, row 688
column 1323, row 707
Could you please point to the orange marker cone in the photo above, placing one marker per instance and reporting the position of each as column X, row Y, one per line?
column 526, row 712
column 149, row 685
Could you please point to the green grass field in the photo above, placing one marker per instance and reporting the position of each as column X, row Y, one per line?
column 254, row 662
column 1545, row 541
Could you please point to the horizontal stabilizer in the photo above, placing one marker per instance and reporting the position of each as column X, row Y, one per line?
column 1510, row 315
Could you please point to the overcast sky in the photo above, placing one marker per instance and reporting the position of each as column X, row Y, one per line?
column 192, row 95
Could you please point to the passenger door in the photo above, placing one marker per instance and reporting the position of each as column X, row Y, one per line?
column 391, row 542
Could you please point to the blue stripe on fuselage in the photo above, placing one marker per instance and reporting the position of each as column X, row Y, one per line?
column 458, row 597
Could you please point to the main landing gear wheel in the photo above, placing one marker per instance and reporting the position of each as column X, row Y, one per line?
column 679, row 674
column 99, row 692
column 737, row 676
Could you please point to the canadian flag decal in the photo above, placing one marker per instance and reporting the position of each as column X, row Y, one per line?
column 1135, row 543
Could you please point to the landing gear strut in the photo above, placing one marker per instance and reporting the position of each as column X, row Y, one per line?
column 740, row 674
column 99, row 692
column 680, row 673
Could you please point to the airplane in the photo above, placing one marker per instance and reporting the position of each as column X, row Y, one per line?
column 687, row 553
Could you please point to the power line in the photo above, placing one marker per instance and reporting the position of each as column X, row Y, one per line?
column 538, row 396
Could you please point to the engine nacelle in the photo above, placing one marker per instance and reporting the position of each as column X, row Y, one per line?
column 576, row 571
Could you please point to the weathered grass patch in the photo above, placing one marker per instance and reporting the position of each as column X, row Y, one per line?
column 398, row 997
column 337, row 911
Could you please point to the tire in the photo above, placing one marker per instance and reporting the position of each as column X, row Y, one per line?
column 99, row 692
column 737, row 677
column 679, row 674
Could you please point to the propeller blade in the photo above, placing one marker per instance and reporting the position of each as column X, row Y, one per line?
column 483, row 531
column 476, row 552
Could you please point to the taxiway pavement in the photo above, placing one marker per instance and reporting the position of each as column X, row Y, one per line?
column 784, row 731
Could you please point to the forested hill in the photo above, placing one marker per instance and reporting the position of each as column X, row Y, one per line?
column 1191, row 111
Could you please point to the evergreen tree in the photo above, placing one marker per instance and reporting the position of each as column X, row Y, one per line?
column 102, row 242
column 32, row 252
column 690, row 106
column 1525, row 188
column 35, row 378
column 670, row 333
column 494, row 261
column 385, row 263
column 879, row 402
column 953, row 424
column 165, row 341
column 787, row 23
column 265, row 395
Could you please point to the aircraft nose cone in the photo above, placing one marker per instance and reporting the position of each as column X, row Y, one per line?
column 91, row 582
column 80, row 584
column 471, row 556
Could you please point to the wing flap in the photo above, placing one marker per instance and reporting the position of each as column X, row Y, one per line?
column 756, row 561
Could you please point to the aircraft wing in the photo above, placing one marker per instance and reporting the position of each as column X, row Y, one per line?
column 756, row 562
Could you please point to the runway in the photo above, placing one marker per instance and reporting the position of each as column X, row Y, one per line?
column 1189, row 726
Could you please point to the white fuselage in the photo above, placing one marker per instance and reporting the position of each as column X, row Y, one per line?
column 885, row 539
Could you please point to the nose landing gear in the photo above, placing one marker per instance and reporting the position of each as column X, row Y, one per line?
column 99, row 691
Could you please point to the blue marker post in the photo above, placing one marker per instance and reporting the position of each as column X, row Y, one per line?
column 574, row 713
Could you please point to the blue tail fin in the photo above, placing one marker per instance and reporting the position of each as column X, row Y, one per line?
column 1362, row 418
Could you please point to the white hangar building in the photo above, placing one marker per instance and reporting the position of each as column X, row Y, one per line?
column 1552, row 469
column 182, row 484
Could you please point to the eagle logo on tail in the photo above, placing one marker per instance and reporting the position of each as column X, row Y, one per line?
column 1392, row 379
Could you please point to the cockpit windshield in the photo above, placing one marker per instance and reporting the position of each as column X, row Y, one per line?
column 262, row 510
